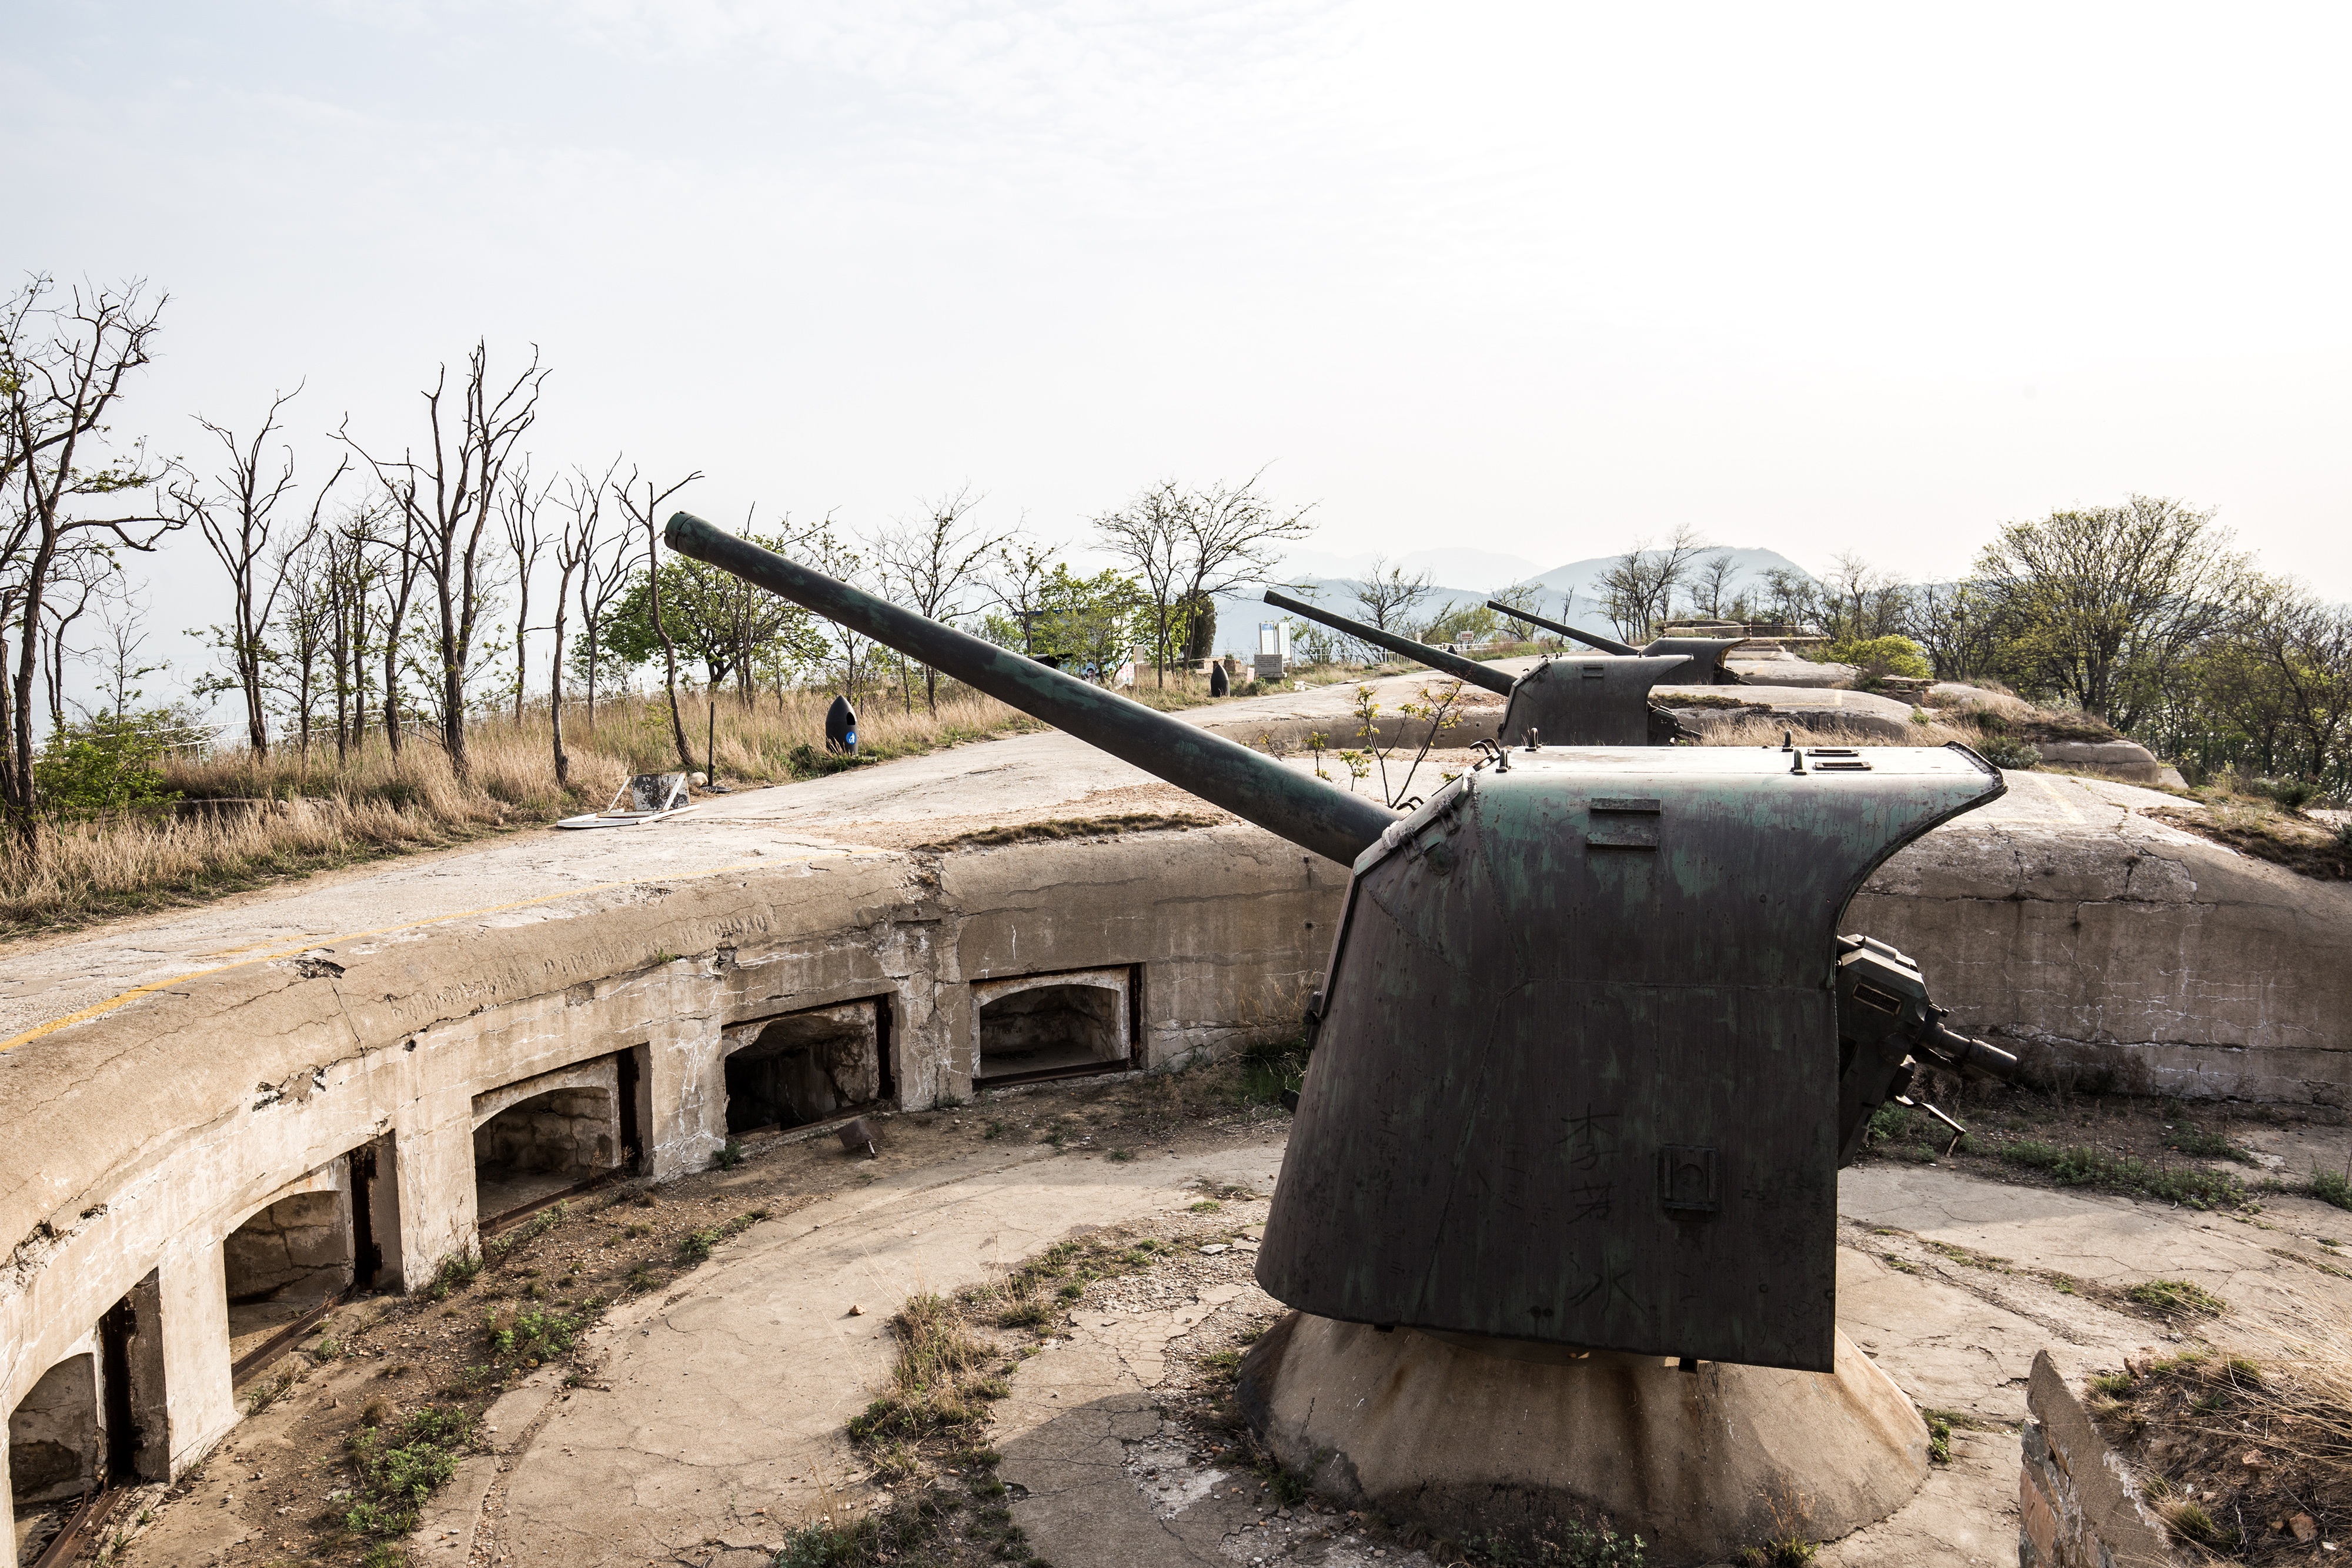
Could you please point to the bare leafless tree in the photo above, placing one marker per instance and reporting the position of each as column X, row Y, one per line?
column 645, row 510
column 519, row 503
column 84, row 583
column 1711, row 578
column 64, row 363
column 1016, row 583
column 1188, row 546
column 445, row 498
column 928, row 566
column 237, row 516
column 1868, row 601
column 1387, row 596
column 580, row 552
column 1638, row 589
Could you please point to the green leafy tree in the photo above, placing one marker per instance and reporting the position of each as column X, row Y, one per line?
column 2093, row 606
column 736, row 631
column 1090, row 624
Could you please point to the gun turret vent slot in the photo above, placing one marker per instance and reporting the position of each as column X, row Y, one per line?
column 1619, row 822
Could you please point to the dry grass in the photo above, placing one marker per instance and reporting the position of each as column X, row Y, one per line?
column 2247, row 1452
column 287, row 815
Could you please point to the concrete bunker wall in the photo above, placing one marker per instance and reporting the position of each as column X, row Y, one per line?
column 55, row 1433
column 2129, row 961
column 244, row 1100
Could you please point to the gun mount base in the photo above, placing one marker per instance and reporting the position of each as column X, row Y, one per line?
column 1465, row 1443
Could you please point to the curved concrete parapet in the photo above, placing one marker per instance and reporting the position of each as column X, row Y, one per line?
column 2127, row 760
column 2110, row 950
column 157, row 1128
column 1699, row 1464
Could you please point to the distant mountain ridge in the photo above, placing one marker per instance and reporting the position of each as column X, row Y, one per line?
column 1570, row 593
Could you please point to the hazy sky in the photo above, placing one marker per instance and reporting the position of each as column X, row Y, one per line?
column 1535, row 279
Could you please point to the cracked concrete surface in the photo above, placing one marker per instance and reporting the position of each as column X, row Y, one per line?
column 714, row 1415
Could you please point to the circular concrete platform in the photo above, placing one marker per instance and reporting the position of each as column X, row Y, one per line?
column 1465, row 1443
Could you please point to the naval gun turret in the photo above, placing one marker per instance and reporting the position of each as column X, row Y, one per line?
column 1700, row 658
column 1536, row 1115
column 1567, row 702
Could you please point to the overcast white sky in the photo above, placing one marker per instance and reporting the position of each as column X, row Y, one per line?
column 1534, row 279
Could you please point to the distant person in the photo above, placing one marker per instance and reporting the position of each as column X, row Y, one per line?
column 841, row 727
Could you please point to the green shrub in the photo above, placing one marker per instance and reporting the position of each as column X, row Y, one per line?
column 1877, row 657
column 106, row 764
column 2003, row 751
column 2332, row 1186
column 401, row 1466
column 728, row 1156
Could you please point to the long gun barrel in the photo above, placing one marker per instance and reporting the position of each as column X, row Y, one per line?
column 1454, row 665
column 1250, row 785
column 1606, row 645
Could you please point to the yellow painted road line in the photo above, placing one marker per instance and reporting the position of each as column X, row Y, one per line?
column 98, row 1009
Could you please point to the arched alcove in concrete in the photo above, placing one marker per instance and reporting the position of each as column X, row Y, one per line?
column 288, row 1257
column 56, row 1434
column 1032, row 1027
column 805, row 1066
column 544, row 1135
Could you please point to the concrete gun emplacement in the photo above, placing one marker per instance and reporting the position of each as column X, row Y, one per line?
column 1589, row 702
column 1589, row 1048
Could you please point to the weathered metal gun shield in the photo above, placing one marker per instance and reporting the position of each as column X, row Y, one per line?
column 1575, row 1078
column 1585, row 702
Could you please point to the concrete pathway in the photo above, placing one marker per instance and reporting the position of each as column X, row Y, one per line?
column 715, row 1418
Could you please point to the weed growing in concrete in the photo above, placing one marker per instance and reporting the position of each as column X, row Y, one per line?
column 2076, row 1166
column 1272, row 1067
column 530, row 1337
column 2177, row 1298
column 531, row 1230
column 939, row 1384
column 1940, row 1437
column 2206, row 1146
column 399, row 1468
column 265, row 1395
column 1206, row 1206
column 1579, row 1545
column 456, row 1273
column 726, row 1155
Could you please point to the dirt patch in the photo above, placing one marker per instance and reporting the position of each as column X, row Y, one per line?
column 1075, row 828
